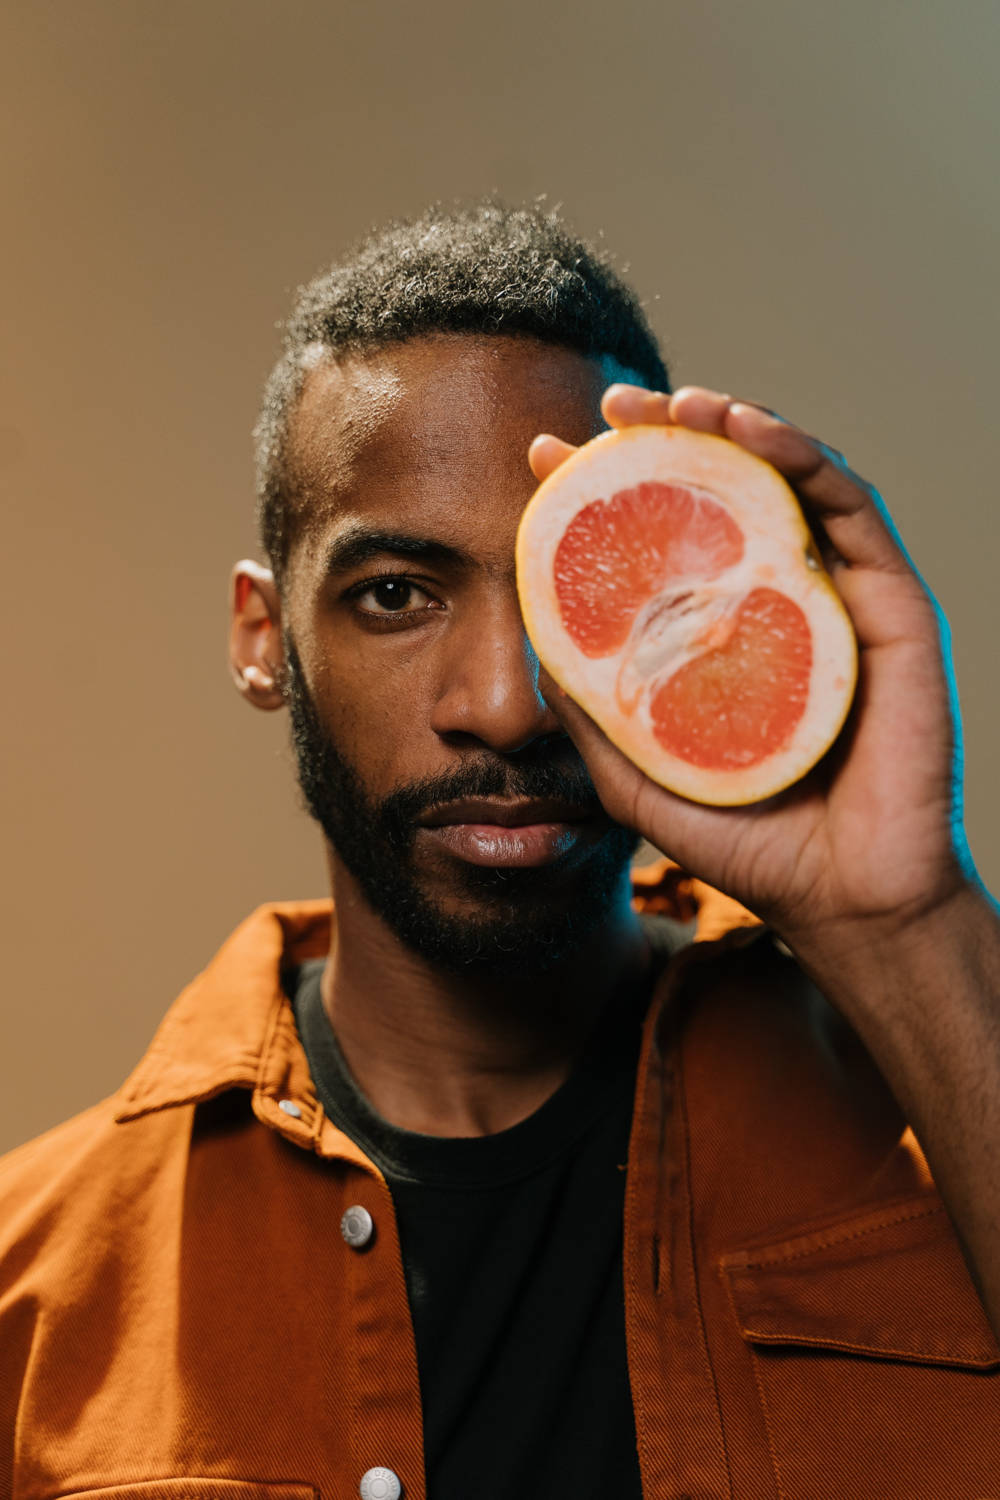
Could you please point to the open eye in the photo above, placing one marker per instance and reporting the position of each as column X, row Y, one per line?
column 392, row 595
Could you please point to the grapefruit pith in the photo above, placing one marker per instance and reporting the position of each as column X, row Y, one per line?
column 670, row 584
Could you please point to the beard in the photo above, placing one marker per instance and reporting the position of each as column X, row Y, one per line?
column 515, row 920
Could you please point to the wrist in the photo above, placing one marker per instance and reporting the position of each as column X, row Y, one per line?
column 864, row 953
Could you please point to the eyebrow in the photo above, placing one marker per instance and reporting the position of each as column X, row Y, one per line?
column 359, row 544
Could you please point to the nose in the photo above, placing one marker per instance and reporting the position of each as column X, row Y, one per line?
column 489, row 688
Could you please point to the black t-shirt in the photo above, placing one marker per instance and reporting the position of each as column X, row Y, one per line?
column 512, row 1250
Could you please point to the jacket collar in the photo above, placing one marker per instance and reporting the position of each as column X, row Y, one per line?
column 233, row 1026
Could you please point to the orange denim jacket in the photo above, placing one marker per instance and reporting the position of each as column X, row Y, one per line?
column 182, row 1319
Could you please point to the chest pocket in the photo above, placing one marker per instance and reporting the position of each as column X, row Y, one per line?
column 876, row 1366
column 196, row 1489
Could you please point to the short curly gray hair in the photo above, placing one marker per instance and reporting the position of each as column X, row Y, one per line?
column 486, row 268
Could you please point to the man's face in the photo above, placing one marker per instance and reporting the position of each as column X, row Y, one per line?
column 442, row 781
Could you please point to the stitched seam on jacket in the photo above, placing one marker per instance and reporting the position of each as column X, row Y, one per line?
column 759, row 1382
column 879, row 1350
column 706, row 1352
column 778, row 1258
column 783, row 1493
column 634, row 1281
column 268, row 1050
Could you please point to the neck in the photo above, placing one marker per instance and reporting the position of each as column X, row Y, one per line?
column 457, row 1054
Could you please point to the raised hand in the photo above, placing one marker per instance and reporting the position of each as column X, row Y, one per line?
column 874, row 831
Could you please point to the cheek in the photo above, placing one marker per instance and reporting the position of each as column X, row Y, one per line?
column 375, row 694
column 378, row 722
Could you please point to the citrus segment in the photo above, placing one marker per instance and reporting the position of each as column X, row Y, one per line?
column 616, row 554
column 741, row 700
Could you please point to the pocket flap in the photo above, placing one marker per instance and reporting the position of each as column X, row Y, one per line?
column 891, row 1283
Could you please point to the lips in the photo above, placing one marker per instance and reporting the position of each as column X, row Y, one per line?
column 505, row 814
column 509, row 835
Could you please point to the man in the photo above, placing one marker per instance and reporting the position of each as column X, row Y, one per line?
column 492, row 1183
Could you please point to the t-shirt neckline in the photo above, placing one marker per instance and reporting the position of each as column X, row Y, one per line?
column 604, row 1072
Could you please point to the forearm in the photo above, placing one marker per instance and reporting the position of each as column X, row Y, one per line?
column 927, row 1005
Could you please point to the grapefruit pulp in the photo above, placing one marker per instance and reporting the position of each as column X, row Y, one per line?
column 669, row 583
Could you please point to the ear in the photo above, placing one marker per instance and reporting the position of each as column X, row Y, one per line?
column 256, row 654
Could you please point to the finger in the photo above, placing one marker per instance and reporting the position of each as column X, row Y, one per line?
column 690, row 406
column 698, row 407
column 546, row 454
column 708, row 410
column 851, row 512
column 632, row 405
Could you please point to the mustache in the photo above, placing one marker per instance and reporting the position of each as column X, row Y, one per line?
column 537, row 772
column 548, row 768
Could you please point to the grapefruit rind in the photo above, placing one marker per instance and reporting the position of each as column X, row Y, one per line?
column 779, row 553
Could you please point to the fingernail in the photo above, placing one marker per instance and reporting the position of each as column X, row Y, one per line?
column 762, row 411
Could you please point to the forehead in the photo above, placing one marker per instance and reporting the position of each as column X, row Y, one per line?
column 433, row 432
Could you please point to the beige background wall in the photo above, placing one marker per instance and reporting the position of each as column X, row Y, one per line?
column 805, row 194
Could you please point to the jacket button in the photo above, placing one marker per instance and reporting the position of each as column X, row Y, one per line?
column 380, row 1484
column 357, row 1227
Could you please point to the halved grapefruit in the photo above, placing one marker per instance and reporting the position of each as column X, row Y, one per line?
column 669, row 583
